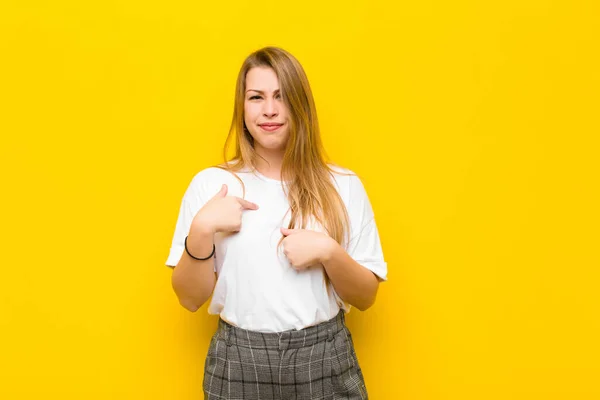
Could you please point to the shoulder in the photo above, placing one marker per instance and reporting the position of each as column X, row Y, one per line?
column 346, row 179
column 208, row 181
column 355, row 197
column 210, row 174
column 216, row 173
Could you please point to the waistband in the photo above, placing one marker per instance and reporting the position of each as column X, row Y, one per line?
column 291, row 339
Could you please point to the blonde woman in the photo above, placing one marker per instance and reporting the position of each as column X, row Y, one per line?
column 284, row 241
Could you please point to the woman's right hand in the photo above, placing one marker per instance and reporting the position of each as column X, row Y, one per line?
column 222, row 213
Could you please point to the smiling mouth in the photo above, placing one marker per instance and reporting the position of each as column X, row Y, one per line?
column 270, row 127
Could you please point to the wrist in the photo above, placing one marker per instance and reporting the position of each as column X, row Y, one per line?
column 199, row 243
column 329, row 250
column 203, row 226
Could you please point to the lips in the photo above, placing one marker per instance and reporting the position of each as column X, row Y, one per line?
column 270, row 127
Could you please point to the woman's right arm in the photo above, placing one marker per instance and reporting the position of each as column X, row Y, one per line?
column 194, row 280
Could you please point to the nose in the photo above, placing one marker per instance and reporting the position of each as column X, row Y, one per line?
column 270, row 108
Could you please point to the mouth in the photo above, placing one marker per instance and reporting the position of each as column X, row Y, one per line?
column 270, row 127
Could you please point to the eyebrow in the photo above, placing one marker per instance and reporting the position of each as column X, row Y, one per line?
column 260, row 91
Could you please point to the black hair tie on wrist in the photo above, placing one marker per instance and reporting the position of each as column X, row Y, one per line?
column 196, row 258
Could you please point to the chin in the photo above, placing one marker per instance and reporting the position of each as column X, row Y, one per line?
column 274, row 142
column 271, row 145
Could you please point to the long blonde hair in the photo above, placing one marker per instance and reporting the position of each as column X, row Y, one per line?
column 310, row 189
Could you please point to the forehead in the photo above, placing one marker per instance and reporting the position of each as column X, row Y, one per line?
column 262, row 78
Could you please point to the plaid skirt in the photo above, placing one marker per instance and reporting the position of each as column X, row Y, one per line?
column 317, row 362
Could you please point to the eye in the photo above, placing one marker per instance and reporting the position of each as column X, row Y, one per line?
column 254, row 97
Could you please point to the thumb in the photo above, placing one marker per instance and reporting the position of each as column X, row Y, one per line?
column 222, row 192
column 286, row 231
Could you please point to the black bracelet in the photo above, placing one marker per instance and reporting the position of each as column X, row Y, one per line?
column 196, row 258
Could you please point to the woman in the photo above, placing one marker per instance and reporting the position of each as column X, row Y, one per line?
column 283, row 241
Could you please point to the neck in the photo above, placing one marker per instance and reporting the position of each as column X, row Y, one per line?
column 270, row 163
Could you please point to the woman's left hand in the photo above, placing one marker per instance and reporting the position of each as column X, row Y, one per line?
column 305, row 248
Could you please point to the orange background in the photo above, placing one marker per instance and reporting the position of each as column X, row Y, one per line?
column 474, row 126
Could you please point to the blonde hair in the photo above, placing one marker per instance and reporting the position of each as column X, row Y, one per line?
column 310, row 190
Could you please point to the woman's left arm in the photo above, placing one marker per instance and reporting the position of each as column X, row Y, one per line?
column 354, row 283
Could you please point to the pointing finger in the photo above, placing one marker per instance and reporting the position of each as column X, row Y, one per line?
column 248, row 205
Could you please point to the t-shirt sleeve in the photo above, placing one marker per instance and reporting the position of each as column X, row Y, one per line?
column 364, row 244
column 193, row 200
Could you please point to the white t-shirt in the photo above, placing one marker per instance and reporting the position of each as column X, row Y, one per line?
column 257, row 288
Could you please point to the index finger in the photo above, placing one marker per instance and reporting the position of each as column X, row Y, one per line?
column 248, row 205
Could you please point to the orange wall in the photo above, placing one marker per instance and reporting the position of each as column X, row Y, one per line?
column 473, row 124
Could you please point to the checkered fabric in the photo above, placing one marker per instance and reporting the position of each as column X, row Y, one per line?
column 318, row 362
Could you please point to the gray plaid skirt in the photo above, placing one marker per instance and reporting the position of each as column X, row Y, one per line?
column 317, row 362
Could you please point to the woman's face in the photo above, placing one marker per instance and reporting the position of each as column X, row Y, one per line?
column 265, row 114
